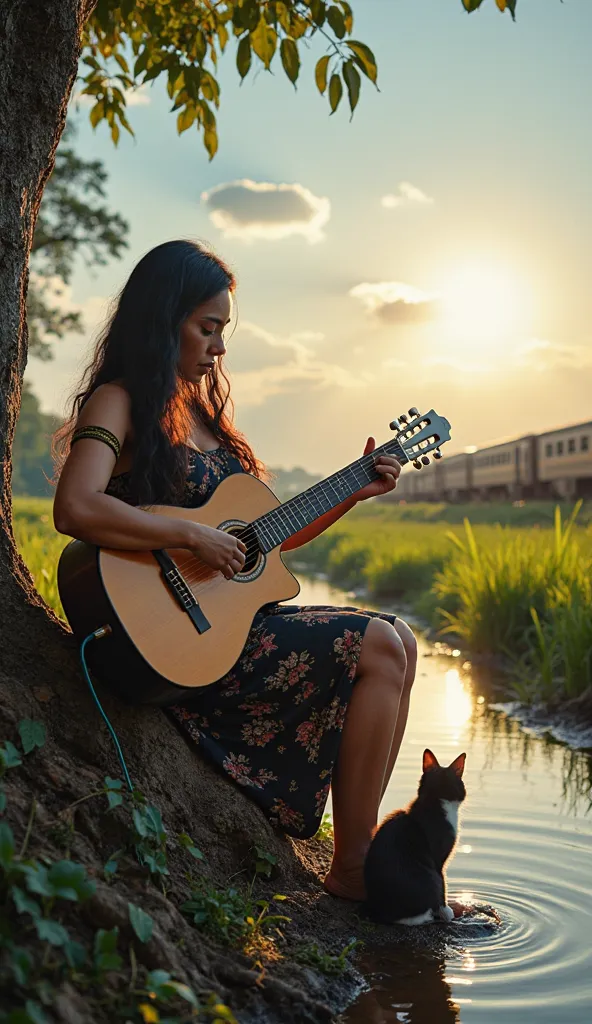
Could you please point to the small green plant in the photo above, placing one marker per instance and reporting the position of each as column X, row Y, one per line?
column 264, row 862
column 325, row 830
column 35, row 894
column 233, row 917
column 327, row 963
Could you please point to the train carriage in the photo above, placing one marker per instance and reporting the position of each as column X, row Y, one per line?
column 565, row 462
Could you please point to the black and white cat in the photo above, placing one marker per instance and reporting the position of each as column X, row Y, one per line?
column 404, row 867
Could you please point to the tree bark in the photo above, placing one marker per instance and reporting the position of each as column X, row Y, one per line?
column 39, row 50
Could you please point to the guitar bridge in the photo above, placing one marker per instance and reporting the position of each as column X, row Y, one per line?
column 186, row 599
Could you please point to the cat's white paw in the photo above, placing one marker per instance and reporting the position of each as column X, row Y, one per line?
column 446, row 914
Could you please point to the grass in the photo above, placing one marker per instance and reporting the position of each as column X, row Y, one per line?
column 518, row 585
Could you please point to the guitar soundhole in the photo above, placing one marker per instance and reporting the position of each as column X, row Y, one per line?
column 247, row 535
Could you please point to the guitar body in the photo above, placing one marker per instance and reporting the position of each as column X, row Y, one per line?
column 155, row 653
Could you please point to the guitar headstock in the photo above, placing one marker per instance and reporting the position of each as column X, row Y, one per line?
column 419, row 434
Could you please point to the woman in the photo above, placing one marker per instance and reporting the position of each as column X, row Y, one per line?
column 320, row 695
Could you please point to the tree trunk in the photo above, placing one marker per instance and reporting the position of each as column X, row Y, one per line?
column 39, row 51
column 40, row 676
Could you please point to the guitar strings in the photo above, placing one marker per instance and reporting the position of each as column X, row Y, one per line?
column 298, row 504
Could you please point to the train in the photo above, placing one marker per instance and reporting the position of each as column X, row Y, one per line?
column 555, row 465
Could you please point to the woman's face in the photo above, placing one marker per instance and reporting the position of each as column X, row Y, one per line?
column 202, row 337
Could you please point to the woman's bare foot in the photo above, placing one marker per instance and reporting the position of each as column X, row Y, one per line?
column 348, row 884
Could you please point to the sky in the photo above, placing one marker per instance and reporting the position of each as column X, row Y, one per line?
column 434, row 251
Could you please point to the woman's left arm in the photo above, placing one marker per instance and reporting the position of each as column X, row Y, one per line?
column 389, row 470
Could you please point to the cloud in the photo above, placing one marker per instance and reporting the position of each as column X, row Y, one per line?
column 394, row 302
column 260, row 210
column 262, row 364
column 408, row 195
column 541, row 355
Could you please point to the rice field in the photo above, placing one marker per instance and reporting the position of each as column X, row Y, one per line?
column 522, row 590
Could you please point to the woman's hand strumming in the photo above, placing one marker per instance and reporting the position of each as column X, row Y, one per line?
column 217, row 549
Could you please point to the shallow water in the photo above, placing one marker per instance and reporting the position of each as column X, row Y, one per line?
column 525, row 847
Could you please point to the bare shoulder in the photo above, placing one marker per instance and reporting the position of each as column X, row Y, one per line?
column 110, row 407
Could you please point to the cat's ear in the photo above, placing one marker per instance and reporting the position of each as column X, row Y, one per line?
column 430, row 761
column 458, row 765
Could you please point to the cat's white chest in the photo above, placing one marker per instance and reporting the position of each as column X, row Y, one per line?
column 450, row 808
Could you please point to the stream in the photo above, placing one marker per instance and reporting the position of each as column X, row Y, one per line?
column 525, row 847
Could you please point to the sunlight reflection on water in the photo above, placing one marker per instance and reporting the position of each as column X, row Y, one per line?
column 525, row 847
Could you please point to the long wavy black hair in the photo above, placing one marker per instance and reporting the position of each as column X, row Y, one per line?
column 139, row 347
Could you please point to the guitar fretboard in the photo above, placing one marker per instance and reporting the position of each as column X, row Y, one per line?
column 276, row 526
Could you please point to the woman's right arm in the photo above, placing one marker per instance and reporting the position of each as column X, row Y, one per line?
column 83, row 510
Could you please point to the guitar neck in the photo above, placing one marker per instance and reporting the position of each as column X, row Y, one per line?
column 294, row 515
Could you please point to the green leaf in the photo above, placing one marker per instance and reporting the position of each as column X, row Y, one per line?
column 243, row 56
column 153, row 819
column 75, row 954
column 113, row 783
column 290, row 59
column 69, row 881
column 141, row 922
column 23, row 903
column 351, row 77
column 139, row 819
column 123, row 64
column 115, row 133
column 36, row 879
column 347, row 14
column 185, row 119
column 335, row 92
column 321, row 73
column 6, row 844
column 97, row 113
column 471, row 5
column 113, row 799
column 188, row 844
column 318, row 11
column 51, row 931
column 10, row 756
column 365, row 59
column 106, row 941
column 21, row 963
column 2, row 801
column 336, row 21
column 264, row 41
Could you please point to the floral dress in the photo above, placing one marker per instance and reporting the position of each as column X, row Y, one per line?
column 273, row 723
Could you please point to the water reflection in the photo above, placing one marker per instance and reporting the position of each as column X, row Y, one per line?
column 423, row 994
column 525, row 847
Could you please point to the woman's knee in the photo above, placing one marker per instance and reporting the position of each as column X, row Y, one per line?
column 383, row 650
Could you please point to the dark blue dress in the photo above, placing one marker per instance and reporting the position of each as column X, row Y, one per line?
column 274, row 722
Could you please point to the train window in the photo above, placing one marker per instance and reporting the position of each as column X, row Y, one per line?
column 560, row 447
column 571, row 444
column 548, row 450
column 584, row 443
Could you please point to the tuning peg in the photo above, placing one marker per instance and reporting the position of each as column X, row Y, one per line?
column 417, row 464
column 413, row 412
column 404, row 419
column 437, row 453
column 395, row 425
column 425, row 460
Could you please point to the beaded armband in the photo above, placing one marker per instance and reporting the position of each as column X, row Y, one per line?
column 98, row 434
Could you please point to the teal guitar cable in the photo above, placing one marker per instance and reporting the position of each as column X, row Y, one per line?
column 98, row 633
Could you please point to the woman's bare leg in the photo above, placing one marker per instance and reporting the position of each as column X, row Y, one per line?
column 366, row 744
column 410, row 645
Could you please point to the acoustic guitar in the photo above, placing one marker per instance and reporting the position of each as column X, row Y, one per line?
column 174, row 623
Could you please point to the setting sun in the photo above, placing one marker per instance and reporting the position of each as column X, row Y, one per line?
column 483, row 302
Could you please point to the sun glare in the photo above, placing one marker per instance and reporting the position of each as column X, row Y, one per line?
column 483, row 303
